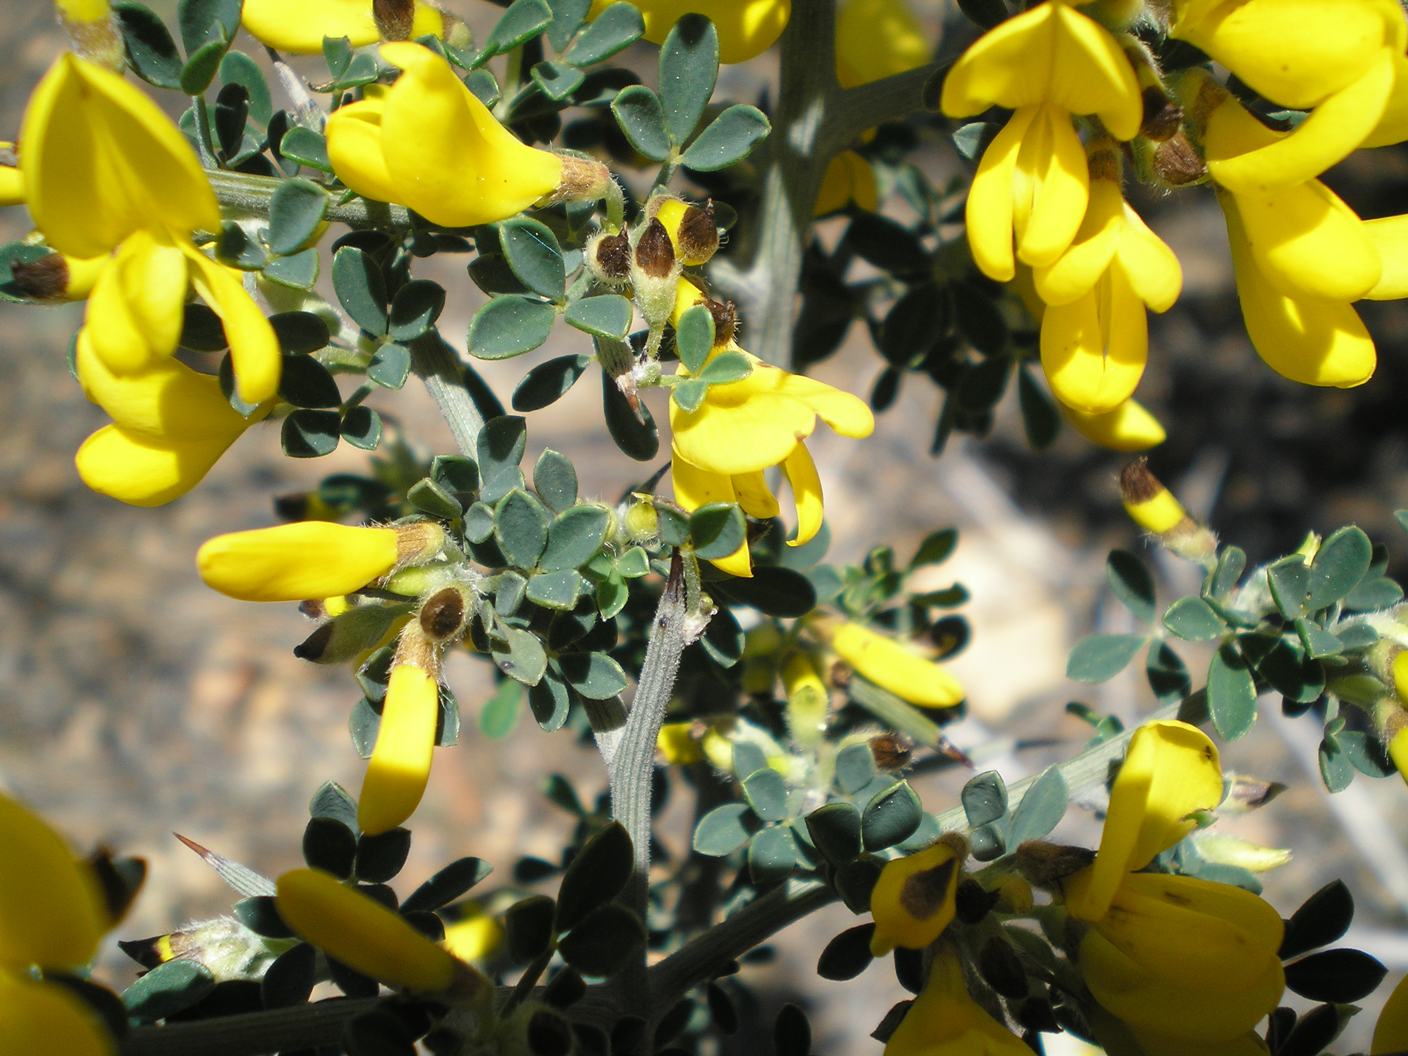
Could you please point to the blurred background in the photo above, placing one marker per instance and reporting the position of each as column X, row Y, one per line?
column 134, row 702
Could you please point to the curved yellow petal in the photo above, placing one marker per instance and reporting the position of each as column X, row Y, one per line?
column 695, row 487
column 806, row 494
column 743, row 426
column 11, row 185
column 1170, row 770
column 746, row 27
column 1051, row 187
column 1129, row 427
column 142, row 470
column 913, row 901
column 101, row 160
column 400, row 764
column 1075, row 272
column 755, row 496
column 291, row 562
column 254, row 347
column 51, row 908
column 944, row 1020
column 475, row 936
column 48, row 1018
column 877, row 39
column 299, row 26
column 1389, row 236
column 446, row 155
column 990, row 212
column 845, row 412
column 1391, row 1030
column 354, row 149
column 1152, row 268
column 1393, row 125
column 1094, row 350
column 137, row 306
column 848, row 178
column 890, row 665
column 362, row 933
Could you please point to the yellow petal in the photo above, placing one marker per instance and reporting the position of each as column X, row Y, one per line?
column 687, row 295
column 1075, row 272
column 677, row 744
column 362, row 933
column 254, row 347
column 101, row 160
column 743, row 426
column 1390, row 238
column 1332, row 131
column 354, row 149
column 890, row 665
column 913, row 901
column 1152, row 268
column 806, row 494
column 475, row 936
column 1094, row 350
column 1051, row 187
column 48, row 1018
column 1170, row 770
column 746, row 27
column 137, row 306
column 447, row 156
column 142, row 470
column 400, row 762
column 945, row 1021
column 989, row 213
column 291, row 562
column 299, row 26
column 845, row 412
column 808, row 700
column 1393, row 125
column 11, row 185
column 848, row 178
column 695, row 487
column 754, row 495
column 1129, row 427
column 1391, row 1030
column 877, row 39
column 1310, row 340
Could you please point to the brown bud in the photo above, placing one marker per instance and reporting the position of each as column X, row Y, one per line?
column 892, row 751
column 610, row 256
column 1162, row 116
column 45, row 279
column 725, row 315
column 418, row 542
column 1177, row 163
column 442, row 615
column 1104, row 161
column 1137, row 481
column 655, row 254
column 582, row 180
column 316, row 644
column 698, row 235
column 1045, row 864
column 394, row 18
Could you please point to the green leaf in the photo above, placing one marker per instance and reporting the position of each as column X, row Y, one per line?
column 855, row 768
column 1373, row 594
column 835, row 831
column 1339, row 565
column 641, row 118
column 891, row 817
column 728, row 139
column 689, row 67
column 688, row 395
column 1288, row 578
column 606, row 315
column 519, row 655
column 636, row 436
column 335, row 802
column 550, row 703
column 1131, row 583
column 381, row 856
column 986, row 13
column 602, row 944
column 390, row 366
column 450, row 883
column 557, row 80
column 555, row 590
column 431, row 497
column 306, row 147
column 1231, row 694
column 1041, row 418
column 523, row 20
column 775, row 591
column 534, row 256
column 295, row 211
column 617, row 27
column 748, row 758
column 304, row 382
column 984, row 799
column 151, row 52
column 730, row 366
column 167, row 989
column 310, row 434
column 766, row 793
column 596, row 875
column 521, row 528
column 595, row 676
column 772, row 855
column 361, row 427
column 1337, row 976
column 1336, row 770
column 723, row 830
column 509, row 593
column 415, row 308
column 548, row 382
column 529, row 923
column 297, row 272
column 574, row 537
column 694, row 337
column 1193, row 620
column 499, row 715
column 204, row 22
column 299, row 332
column 498, row 451
column 1099, row 657
column 360, row 288
column 329, row 845
column 555, row 481
column 234, row 247
column 847, row 955
column 509, row 326
column 1231, row 563
column 717, row 529
column 936, row 548
column 1318, row 641
column 238, row 68
column 290, row 977
column 201, row 67
column 1167, row 674
column 1040, row 809
column 567, row 16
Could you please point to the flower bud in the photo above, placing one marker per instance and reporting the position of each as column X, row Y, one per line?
column 400, row 764
column 642, row 522
column 654, row 270
column 356, row 631
column 223, row 946
column 692, row 227
column 609, row 258
column 892, row 666
column 1154, row 508
column 1177, row 162
column 914, row 899
column 394, row 18
column 807, row 700
column 444, row 614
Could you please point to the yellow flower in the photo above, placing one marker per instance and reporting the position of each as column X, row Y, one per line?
column 746, row 27
column 428, row 143
column 848, row 178
column 1344, row 62
column 1391, row 1030
column 365, row 935
column 400, row 764
column 45, row 1017
column 475, row 936
column 1170, row 770
column 299, row 26
column 808, row 700
column 1032, row 183
column 944, row 1020
column 1129, row 427
column 893, row 666
column 311, row 559
column 914, row 899
column 877, row 39
column 677, row 744
column 1094, row 333
column 170, row 425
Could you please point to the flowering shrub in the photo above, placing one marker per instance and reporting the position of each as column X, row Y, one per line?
column 257, row 264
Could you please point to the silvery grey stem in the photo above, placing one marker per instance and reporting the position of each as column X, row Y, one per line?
column 438, row 365
column 250, row 1033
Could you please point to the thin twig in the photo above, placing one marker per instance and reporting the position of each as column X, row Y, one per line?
column 437, row 365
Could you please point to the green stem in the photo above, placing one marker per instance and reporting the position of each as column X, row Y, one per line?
column 437, row 365
column 250, row 1033
column 250, row 195
column 204, row 137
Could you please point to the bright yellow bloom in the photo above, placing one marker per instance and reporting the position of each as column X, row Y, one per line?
column 1397, row 749
column 474, row 936
column 914, row 899
column 876, row 39
column 677, row 744
column 45, row 1017
column 299, row 26
column 808, row 700
column 1094, row 333
column 310, row 559
column 400, row 764
column 1168, row 944
column 1170, row 770
column 746, row 27
column 893, row 666
column 104, row 169
column 428, row 143
column 848, row 178
column 1391, row 1030
column 1129, row 427
column 945, row 1020
column 362, row 933
column 1032, row 183
column 1343, row 61
column 170, row 425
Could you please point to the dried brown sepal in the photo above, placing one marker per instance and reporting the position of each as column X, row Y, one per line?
column 1045, row 864
column 394, row 18
column 1177, row 162
column 45, row 279
column 1138, row 483
column 698, row 234
column 725, row 315
column 892, row 751
column 610, row 256
column 655, row 253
